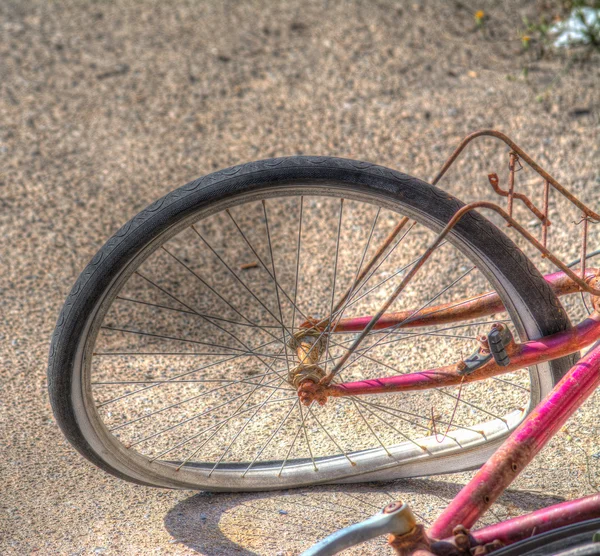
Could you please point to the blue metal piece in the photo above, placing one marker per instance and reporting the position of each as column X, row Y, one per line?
column 398, row 521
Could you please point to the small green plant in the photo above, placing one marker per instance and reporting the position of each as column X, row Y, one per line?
column 537, row 33
column 479, row 18
column 539, row 28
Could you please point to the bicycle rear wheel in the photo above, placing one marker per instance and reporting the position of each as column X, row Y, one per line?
column 170, row 361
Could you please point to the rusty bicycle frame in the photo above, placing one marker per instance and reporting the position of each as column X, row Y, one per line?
column 498, row 353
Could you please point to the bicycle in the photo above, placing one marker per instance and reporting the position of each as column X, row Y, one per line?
column 254, row 271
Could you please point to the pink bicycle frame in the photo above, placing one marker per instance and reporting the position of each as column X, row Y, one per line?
column 514, row 455
column 522, row 445
column 449, row 534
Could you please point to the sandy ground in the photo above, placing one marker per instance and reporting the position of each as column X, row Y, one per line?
column 107, row 106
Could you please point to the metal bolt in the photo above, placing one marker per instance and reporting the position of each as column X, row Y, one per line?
column 393, row 507
column 461, row 538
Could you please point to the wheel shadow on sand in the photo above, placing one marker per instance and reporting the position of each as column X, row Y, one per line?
column 286, row 522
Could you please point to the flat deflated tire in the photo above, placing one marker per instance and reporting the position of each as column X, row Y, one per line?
column 227, row 267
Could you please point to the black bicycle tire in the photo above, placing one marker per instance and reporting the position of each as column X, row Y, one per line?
column 174, row 207
column 569, row 540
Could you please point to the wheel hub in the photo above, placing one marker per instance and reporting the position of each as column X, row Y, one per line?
column 309, row 346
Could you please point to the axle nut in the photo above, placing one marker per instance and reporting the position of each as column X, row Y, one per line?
column 299, row 374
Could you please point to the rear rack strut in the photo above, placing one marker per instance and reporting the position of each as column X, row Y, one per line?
column 517, row 154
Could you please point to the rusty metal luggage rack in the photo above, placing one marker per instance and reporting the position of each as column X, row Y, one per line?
column 516, row 155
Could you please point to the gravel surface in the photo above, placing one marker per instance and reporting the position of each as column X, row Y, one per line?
column 106, row 106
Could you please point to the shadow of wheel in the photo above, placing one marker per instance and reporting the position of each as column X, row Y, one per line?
column 288, row 522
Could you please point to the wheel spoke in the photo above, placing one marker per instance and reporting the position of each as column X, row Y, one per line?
column 194, row 417
column 329, row 435
column 243, row 344
column 372, row 273
column 187, row 400
column 386, row 422
column 273, row 435
column 238, row 279
column 241, row 430
column 265, row 267
column 219, row 424
column 306, row 437
column 209, row 287
column 366, row 422
column 180, row 354
column 292, row 444
column 165, row 337
column 259, row 406
column 188, row 312
column 283, row 339
column 297, row 263
column 174, row 378
column 335, row 267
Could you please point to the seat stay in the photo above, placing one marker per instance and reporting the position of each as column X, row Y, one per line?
column 482, row 305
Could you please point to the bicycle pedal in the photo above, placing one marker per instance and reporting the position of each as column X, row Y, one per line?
column 499, row 339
